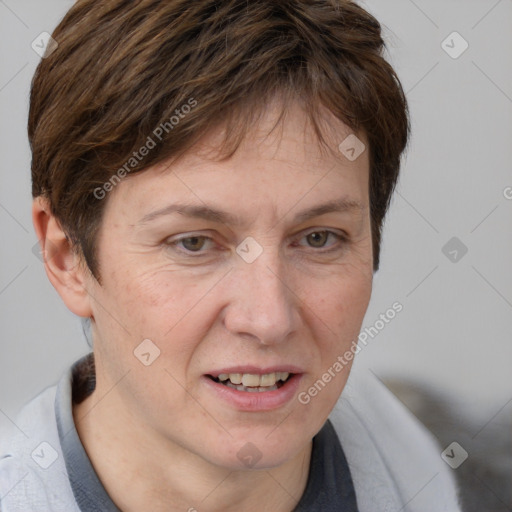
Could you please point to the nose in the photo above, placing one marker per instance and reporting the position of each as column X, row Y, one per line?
column 263, row 305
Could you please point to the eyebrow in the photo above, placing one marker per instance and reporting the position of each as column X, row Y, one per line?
column 342, row 205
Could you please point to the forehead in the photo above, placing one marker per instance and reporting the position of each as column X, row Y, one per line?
column 279, row 164
column 285, row 133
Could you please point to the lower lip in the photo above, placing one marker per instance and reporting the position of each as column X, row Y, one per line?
column 258, row 400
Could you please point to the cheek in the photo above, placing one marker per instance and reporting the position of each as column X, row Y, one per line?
column 151, row 293
column 338, row 314
column 163, row 306
column 341, row 305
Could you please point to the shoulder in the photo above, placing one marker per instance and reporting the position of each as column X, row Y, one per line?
column 35, row 416
column 32, row 469
column 394, row 460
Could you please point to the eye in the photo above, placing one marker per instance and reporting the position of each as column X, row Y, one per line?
column 192, row 244
column 319, row 238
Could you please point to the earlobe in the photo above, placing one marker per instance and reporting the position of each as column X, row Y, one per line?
column 62, row 264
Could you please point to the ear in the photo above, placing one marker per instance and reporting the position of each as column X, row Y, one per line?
column 62, row 265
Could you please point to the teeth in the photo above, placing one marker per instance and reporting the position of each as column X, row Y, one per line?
column 235, row 378
column 269, row 379
column 253, row 382
column 248, row 379
column 282, row 376
column 251, row 390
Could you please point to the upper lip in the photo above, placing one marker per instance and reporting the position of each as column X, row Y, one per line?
column 256, row 370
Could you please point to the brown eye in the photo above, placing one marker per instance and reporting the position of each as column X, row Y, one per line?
column 193, row 243
column 318, row 238
column 317, row 242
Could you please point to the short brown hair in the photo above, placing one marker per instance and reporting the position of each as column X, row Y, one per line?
column 123, row 68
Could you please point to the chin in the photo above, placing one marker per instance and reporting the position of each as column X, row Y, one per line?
column 252, row 451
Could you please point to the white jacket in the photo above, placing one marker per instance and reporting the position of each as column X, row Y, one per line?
column 395, row 462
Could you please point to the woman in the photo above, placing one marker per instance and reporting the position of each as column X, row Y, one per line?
column 210, row 181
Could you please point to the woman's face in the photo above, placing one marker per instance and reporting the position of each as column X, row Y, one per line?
column 268, row 287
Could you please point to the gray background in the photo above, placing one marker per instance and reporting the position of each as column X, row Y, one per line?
column 454, row 331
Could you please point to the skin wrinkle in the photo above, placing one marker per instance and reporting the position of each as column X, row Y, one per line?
column 291, row 305
column 83, row 130
column 244, row 107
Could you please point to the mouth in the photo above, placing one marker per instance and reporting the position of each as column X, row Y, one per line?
column 252, row 382
column 254, row 388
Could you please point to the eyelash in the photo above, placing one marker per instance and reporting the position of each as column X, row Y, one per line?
column 341, row 238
